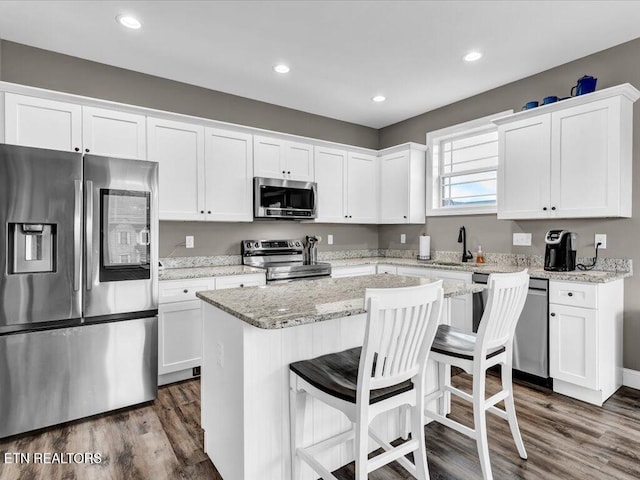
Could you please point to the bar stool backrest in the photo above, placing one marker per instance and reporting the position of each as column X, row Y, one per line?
column 507, row 294
column 401, row 326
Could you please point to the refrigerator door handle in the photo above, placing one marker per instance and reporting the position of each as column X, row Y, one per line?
column 77, row 235
column 89, row 232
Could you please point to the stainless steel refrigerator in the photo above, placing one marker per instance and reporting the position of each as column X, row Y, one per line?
column 78, row 285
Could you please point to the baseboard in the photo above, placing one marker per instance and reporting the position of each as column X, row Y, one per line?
column 631, row 378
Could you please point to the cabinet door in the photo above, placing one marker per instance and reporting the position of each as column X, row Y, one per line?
column 229, row 181
column 524, row 169
column 585, row 173
column 330, row 168
column 268, row 157
column 362, row 188
column 179, row 336
column 299, row 162
column 37, row 122
column 573, row 347
column 394, row 188
column 179, row 149
column 113, row 134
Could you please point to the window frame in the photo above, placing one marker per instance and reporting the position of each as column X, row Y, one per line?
column 470, row 128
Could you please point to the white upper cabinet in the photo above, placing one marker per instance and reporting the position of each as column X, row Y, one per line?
column 277, row 158
column 347, row 186
column 362, row 188
column 42, row 123
column 205, row 173
column 331, row 169
column 228, row 179
column 402, row 185
column 113, row 134
column 179, row 149
column 569, row 159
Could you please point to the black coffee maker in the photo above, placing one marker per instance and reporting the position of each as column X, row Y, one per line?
column 560, row 254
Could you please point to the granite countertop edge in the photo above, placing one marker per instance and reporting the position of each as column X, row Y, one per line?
column 302, row 319
column 589, row 276
column 185, row 273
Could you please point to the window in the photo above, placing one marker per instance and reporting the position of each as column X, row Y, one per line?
column 462, row 168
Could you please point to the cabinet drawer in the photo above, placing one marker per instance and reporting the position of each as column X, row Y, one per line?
column 415, row 272
column 573, row 294
column 340, row 272
column 182, row 290
column 387, row 269
column 239, row 281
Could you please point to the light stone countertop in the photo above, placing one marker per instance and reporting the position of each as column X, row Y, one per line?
column 587, row 276
column 201, row 272
column 308, row 301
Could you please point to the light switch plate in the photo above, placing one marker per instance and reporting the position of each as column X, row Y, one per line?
column 329, row 239
column 602, row 238
column 522, row 239
column 403, row 238
column 188, row 241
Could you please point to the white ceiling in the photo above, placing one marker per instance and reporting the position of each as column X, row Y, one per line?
column 341, row 53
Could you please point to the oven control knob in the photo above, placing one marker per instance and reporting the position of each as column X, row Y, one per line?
column 297, row 244
column 290, row 244
column 257, row 245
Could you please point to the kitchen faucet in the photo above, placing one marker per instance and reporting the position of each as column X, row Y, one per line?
column 462, row 238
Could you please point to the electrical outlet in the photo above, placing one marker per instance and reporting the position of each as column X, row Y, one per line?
column 188, row 241
column 329, row 239
column 602, row 239
column 522, row 239
column 403, row 238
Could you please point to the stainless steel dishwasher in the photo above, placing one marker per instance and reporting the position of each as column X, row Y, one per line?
column 531, row 341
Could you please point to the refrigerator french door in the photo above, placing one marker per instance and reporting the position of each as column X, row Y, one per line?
column 78, row 286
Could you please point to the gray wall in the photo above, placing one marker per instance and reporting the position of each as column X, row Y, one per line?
column 224, row 238
column 612, row 67
column 45, row 69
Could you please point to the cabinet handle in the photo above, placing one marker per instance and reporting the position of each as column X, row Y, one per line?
column 201, row 211
column 77, row 149
column 553, row 314
column 86, row 150
column 349, row 216
column 570, row 294
column 553, row 208
column 186, row 291
column 288, row 173
column 544, row 208
column 405, row 216
column 209, row 212
column 283, row 172
column 346, row 216
column 242, row 285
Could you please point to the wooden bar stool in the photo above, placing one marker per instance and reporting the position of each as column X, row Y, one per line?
column 492, row 345
column 386, row 373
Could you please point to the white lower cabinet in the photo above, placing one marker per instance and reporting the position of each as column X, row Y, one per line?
column 180, row 322
column 357, row 271
column 585, row 339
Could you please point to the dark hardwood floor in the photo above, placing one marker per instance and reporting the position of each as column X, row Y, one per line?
column 565, row 439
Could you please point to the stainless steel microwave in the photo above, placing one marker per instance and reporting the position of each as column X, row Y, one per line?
column 290, row 199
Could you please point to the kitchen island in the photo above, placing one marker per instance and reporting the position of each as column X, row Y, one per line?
column 251, row 335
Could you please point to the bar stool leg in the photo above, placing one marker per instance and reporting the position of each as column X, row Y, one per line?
column 480, row 421
column 297, row 408
column 362, row 444
column 507, row 384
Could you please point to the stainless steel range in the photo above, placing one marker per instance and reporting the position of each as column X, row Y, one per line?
column 282, row 259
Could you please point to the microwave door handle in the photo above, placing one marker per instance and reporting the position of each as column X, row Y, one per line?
column 77, row 235
column 89, row 232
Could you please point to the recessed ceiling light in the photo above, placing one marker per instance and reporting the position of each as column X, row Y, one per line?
column 281, row 68
column 379, row 98
column 472, row 56
column 128, row 21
